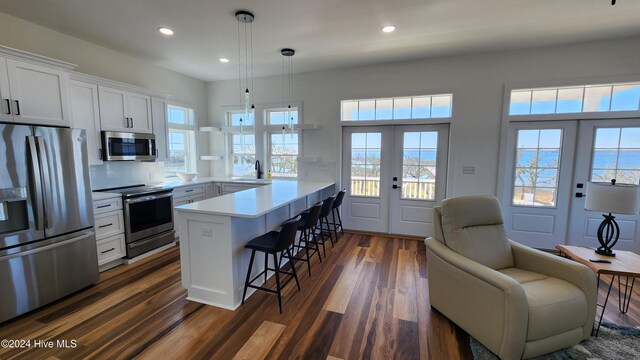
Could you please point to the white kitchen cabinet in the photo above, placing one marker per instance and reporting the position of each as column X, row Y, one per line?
column 124, row 111
column 159, row 113
column 6, row 113
column 186, row 195
column 33, row 94
column 109, row 227
column 85, row 114
column 230, row 188
column 212, row 190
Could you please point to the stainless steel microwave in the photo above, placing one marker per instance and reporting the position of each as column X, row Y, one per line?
column 117, row 146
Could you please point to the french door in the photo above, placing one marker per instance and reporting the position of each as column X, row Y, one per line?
column 394, row 176
column 548, row 166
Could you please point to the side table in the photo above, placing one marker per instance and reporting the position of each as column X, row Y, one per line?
column 625, row 264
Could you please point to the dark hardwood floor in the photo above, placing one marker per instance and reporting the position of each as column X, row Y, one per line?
column 368, row 299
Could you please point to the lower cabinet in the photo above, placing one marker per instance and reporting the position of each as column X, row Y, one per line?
column 109, row 226
column 186, row 195
column 230, row 188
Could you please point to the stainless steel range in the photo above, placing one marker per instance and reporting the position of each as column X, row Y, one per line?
column 148, row 217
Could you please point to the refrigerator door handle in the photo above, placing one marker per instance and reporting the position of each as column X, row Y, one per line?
column 47, row 247
column 45, row 170
column 35, row 164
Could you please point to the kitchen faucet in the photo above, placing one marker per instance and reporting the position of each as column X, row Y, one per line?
column 258, row 171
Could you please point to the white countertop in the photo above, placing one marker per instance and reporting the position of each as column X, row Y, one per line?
column 258, row 201
column 104, row 195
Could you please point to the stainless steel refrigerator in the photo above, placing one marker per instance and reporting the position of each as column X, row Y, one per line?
column 47, row 241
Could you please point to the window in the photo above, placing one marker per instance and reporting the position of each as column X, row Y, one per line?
column 237, row 118
column 616, row 155
column 401, row 108
column 181, row 140
column 280, row 116
column 366, row 149
column 575, row 99
column 537, row 167
column 419, row 154
column 243, row 154
column 283, row 154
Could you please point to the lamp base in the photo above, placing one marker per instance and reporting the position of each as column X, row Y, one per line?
column 608, row 234
column 605, row 252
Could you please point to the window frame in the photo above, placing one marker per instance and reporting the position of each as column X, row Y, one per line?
column 270, row 154
column 393, row 120
column 261, row 130
column 191, row 142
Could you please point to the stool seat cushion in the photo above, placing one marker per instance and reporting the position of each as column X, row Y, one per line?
column 265, row 243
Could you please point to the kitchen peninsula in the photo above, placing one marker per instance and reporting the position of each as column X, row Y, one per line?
column 213, row 233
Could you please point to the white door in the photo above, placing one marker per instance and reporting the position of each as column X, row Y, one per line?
column 367, row 167
column 608, row 149
column 537, row 193
column 6, row 111
column 113, row 109
column 394, row 175
column 140, row 113
column 38, row 94
column 420, row 177
column 85, row 115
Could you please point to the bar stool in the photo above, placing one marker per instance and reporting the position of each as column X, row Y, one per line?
column 307, row 226
column 274, row 243
column 335, row 209
column 325, row 211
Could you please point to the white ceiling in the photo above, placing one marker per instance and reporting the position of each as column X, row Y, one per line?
column 325, row 33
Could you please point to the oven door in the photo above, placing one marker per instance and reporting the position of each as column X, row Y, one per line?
column 128, row 146
column 148, row 215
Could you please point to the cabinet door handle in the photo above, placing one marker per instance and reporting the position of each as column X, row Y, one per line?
column 190, row 190
column 104, row 226
column 126, row 122
column 17, row 107
column 106, row 251
column 8, row 106
column 132, row 125
column 103, row 206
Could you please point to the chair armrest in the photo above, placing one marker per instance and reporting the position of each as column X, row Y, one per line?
column 581, row 276
column 487, row 304
column 484, row 273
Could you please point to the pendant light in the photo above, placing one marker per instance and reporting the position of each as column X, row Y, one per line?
column 288, row 53
column 245, row 40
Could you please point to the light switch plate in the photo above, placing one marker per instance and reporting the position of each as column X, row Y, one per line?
column 469, row 170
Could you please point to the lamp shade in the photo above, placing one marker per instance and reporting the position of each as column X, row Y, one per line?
column 608, row 198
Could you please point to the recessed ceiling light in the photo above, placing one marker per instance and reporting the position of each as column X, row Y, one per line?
column 389, row 28
column 165, row 31
column 224, row 60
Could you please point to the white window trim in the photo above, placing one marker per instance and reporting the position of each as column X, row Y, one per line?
column 269, row 155
column 261, row 131
column 231, row 154
column 192, row 142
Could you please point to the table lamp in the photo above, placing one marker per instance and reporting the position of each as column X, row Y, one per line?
column 611, row 198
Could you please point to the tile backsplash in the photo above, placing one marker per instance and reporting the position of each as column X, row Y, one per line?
column 126, row 173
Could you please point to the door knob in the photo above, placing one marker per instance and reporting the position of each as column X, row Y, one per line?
column 395, row 187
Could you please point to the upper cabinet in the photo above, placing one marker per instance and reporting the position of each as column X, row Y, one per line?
column 33, row 94
column 85, row 115
column 159, row 112
column 124, row 111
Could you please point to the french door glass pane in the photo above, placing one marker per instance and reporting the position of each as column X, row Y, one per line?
column 537, row 161
column 419, row 153
column 616, row 155
column 366, row 149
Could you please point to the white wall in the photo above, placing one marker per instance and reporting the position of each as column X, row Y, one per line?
column 477, row 82
column 103, row 62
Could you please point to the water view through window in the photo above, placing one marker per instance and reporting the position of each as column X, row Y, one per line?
column 538, row 154
column 616, row 155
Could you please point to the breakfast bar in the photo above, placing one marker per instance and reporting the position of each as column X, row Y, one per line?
column 213, row 234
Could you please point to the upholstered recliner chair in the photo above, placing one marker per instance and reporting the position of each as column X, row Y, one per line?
column 517, row 301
